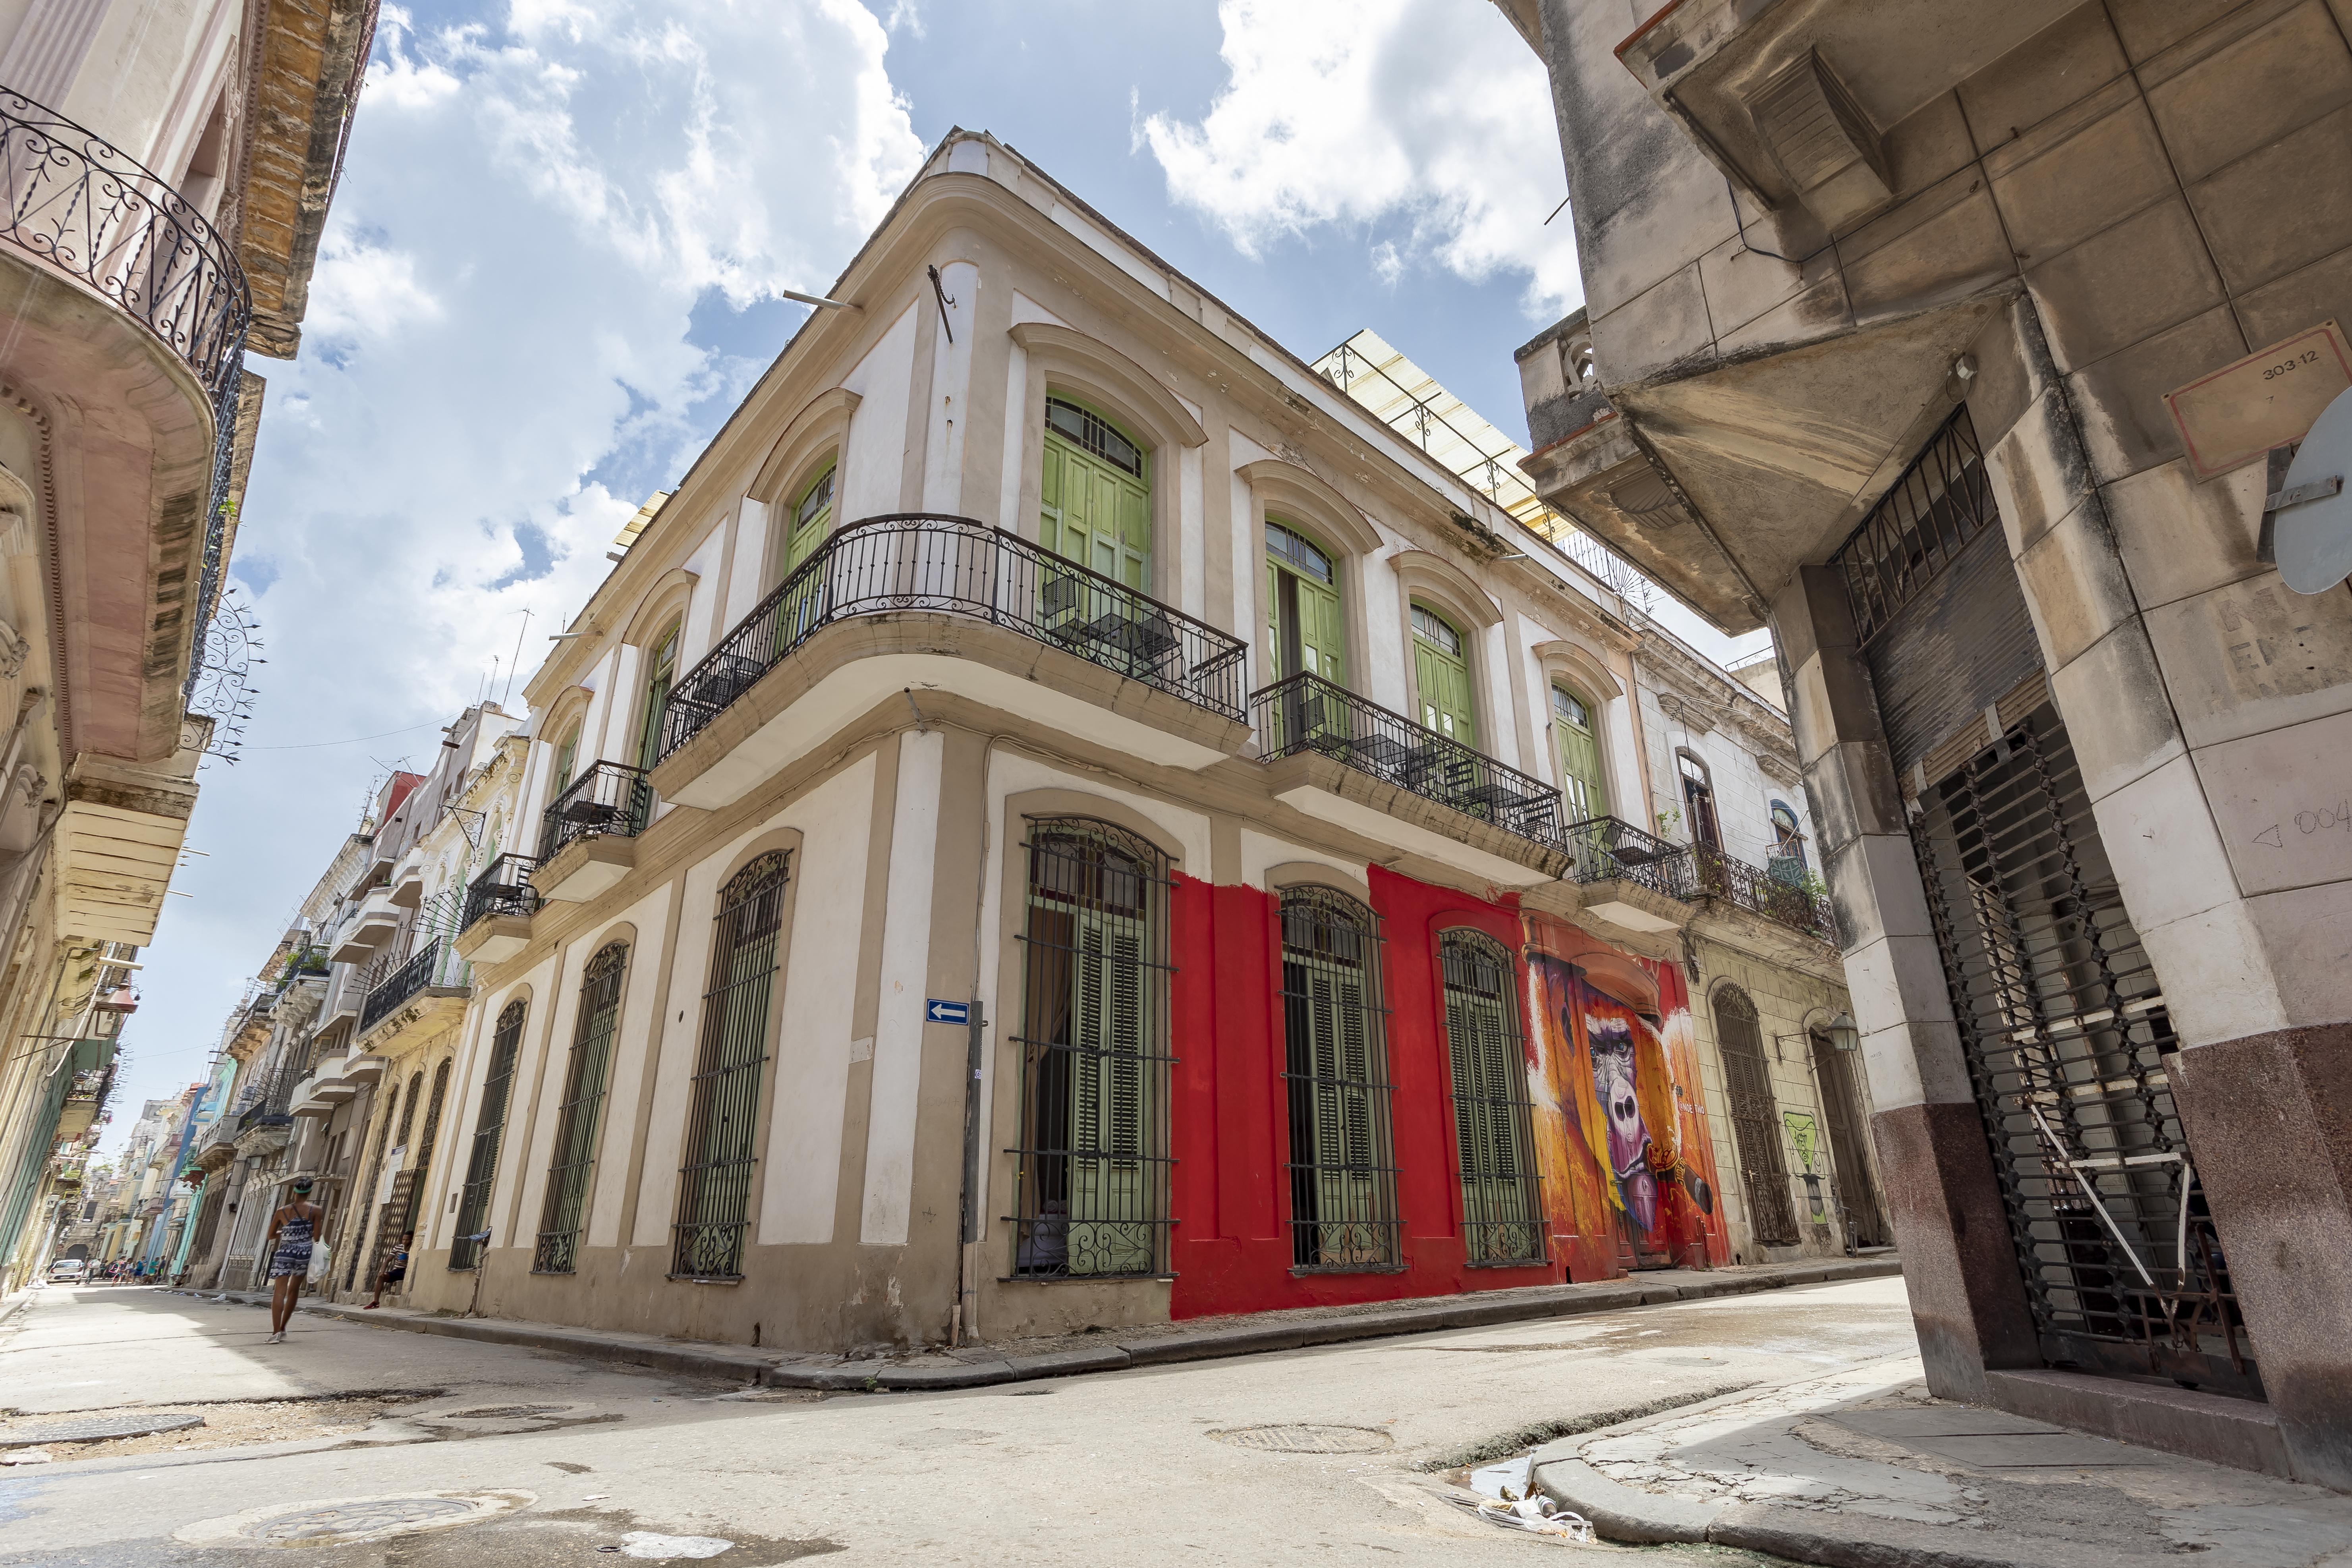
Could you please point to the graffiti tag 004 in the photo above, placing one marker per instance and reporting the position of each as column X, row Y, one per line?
column 2308, row 823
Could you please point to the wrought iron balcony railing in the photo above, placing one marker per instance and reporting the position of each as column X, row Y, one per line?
column 270, row 1098
column 1308, row 713
column 93, row 211
column 959, row 567
column 503, row 889
column 611, row 800
column 1606, row 847
column 1716, row 874
column 436, row 963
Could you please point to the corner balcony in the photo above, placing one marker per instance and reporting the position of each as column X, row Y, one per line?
column 947, row 605
column 1782, row 899
column 427, row 992
column 1627, row 878
column 587, row 836
column 1358, row 765
column 318, row 1094
column 498, row 906
column 124, row 302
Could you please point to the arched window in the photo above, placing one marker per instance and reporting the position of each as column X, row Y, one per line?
column 1093, row 1191
column 1494, row 1141
column 490, row 1131
column 1698, row 801
column 661, row 673
column 355, row 1221
column 1306, row 631
column 1442, row 671
column 422, row 1161
column 812, row 520
column 1754, row 1123
column 1584, row 791
column 586, row 1075
column 391, row 1215
column 1787, row 863
column 1095, row 494
column 722, row 1123
column 1343, row 1202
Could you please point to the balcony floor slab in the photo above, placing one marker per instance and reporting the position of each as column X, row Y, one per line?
column 1332, row 792
column 494, row 939
column 584, row 868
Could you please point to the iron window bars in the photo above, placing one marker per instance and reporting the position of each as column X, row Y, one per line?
column 609, row 800
column 1502, row 1213
column 1092, row 1179
column 2063, row 1027
column 586, row 1075
column 436, row 963
column 955, row 565
column 489, row 1132
column 1306, row 712
column 1755, row 1119
column 1942, row 501
column 1716, row 874
column 714, row 1194
column 503, row 889
column 1343, row 1177
column 89, row 209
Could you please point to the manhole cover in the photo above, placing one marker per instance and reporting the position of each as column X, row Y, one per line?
column 95, row 1428
column 344, row 1521
column 1299, row 1437
column 505, row 1412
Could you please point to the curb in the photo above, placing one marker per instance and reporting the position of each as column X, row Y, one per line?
column 725, row 1363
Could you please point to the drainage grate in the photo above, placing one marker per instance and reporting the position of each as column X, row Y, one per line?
column 1300, row 1437
column 97, row 1428
column 343, row 1521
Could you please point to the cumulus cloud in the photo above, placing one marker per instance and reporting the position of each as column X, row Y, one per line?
column 509, row 344
column 1429, row 121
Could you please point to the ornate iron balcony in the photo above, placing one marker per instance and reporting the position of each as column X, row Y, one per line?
column 1308, row 713
column 611, row 800
column 1606, row 847
column 1716, row 874
column 93, row 211
column 503, row 889
column 434, row 963
column 957, row 565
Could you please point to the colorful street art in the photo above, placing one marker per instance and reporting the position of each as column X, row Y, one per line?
column 1627, row 1164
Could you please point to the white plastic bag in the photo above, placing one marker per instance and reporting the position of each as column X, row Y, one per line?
column 317, row 1273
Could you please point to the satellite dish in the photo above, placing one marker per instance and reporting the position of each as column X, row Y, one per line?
column 2313, row 526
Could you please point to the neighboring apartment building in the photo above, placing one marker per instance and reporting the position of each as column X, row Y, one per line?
column 1717, row 773
column 166, row 168
column 1057, row 821
column 372, row 1106
column 1958, row 355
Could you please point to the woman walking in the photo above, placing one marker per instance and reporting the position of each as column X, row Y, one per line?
column 293, row 1231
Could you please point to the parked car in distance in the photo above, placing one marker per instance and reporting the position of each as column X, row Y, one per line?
column 68, row 1271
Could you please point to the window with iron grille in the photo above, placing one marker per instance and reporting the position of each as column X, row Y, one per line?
column 1942, row 501
column 1092, row 1184
column 714, row 1190
column 490, row 1131
column 586, row 1075
column 1493, row 1139
column 1755, row 1121
column 422, row 1163
column 1343, row 1199
column 355, row 1221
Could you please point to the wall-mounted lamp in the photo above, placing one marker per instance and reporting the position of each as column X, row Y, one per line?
column 1843, row 1034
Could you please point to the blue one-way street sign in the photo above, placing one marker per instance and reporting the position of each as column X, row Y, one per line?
column 936, row 1011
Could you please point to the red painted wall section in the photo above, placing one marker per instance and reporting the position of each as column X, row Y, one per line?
column 1232, row 1244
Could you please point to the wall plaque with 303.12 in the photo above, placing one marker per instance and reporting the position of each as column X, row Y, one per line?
column 2229, row 417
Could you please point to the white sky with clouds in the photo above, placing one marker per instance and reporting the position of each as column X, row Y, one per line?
column 549, row 275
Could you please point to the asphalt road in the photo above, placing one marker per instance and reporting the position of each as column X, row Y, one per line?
column 529, row 1457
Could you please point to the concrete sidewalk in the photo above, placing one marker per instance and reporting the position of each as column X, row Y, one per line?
column 1201, row 1339
column 1862, row 1469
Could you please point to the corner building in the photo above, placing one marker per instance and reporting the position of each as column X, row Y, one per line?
column 1888, row 302
column 1055, row 822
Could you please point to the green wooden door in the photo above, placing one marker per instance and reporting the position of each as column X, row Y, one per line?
column 812, row 520
column 1109, row 1193
column 1305, row 628
column 661, row 670
column 1583, row 794
column 1444, row 674
column 1094, row 505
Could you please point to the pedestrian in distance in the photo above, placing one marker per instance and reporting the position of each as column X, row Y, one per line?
column 293, row 1231
column 394, row 1271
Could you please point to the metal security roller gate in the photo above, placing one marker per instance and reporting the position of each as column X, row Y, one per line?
column 2061, row 1017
